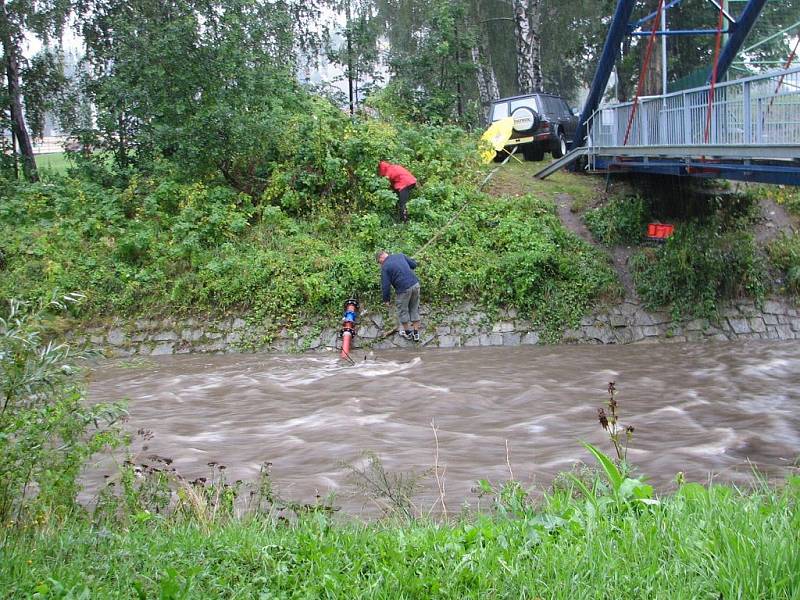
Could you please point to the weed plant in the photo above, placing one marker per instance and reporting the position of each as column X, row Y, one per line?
column 46, row 430
column 784, row 252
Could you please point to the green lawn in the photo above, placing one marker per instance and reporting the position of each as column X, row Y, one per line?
column 56, row 162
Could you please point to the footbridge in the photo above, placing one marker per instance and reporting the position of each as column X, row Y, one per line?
column 742, row 130
column 746, row 129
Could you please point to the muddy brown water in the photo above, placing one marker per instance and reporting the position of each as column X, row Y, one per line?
column 711, row 411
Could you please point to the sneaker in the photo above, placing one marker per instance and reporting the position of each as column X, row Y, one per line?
column 416, row 336
column 406, row 334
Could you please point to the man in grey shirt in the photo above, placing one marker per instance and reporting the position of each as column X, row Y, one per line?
column 397, row 271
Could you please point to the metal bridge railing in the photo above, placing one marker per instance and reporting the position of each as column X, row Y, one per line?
column 744, row 112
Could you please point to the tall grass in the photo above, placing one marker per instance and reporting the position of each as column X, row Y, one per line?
column 699, row 543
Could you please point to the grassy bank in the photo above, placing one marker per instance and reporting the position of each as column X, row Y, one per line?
column 728, row 243
column 700, row 543
column 165, row 245
column 53, row 163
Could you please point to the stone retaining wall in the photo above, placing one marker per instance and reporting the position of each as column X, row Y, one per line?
column 468, row 326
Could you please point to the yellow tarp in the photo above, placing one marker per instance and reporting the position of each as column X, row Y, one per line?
column 497, row 136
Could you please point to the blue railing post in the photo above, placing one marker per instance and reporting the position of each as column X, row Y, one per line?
column 747, row 114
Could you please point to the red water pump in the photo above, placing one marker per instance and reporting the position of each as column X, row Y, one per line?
column 348, row 331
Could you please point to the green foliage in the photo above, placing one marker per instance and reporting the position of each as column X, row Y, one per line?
column 533, row 263
column 624, row 489
column 221, row 98
column 784, row 252
column 697, row 267
column 46, row 430
column 167, row 243
column 433, row 75
column 620, row 221
column 44, row 84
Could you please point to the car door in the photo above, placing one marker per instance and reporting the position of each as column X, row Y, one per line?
column 570, row 120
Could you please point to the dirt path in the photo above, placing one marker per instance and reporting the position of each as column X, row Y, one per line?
column 774, row 221
column 619, row 254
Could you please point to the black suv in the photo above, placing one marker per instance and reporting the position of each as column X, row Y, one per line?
column 542, row 123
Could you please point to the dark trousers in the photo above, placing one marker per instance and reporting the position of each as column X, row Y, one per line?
column 402, row 200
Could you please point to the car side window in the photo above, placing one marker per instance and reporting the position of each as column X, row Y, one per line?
column 500, row 111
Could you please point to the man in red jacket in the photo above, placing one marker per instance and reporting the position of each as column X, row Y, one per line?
column 402, row 182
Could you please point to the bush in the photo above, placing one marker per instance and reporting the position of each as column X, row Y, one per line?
column 620, row 221
column 696, row 268
column 46, row 431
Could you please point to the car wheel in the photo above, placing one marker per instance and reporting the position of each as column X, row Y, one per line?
column 533, row 152
column 561, row 146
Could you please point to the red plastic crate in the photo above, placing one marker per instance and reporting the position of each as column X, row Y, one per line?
column 659, row 231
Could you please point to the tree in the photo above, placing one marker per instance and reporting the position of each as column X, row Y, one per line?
column 44, row 19
column 430, row 59
column 528, row 45
column 44, row 85
column 486, row 79
column 206, row 83
column 358, row 53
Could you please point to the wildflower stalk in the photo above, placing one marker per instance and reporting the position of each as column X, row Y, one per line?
column 610, row 422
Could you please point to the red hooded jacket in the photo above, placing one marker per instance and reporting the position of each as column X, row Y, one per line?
column 398, row 176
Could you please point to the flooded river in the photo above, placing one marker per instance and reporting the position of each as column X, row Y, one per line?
column 709, row 411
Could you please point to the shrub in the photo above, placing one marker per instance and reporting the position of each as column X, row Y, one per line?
column 620, row 221
column 696, row 268
column 784, row 252
column 46, row 430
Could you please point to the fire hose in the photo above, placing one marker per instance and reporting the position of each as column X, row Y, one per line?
column 348, row 331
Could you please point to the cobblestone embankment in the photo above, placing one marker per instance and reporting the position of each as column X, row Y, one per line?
column 468, row 326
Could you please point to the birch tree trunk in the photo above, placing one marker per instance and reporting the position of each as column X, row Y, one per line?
column 15, row 96
column 529, row 47
column 488, row 91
